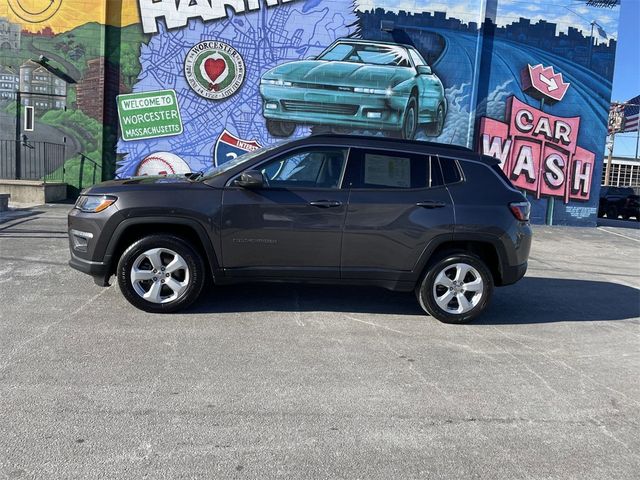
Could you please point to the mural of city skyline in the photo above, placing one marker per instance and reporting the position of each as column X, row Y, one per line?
column 543, row 34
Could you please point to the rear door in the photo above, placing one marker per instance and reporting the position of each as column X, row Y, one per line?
column 293, row 226
column 397, row 204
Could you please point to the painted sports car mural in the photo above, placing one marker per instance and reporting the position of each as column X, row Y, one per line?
column 355, row 84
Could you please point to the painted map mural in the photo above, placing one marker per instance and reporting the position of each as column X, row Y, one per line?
column 171, row 86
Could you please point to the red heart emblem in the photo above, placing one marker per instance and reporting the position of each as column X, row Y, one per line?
column 214, row 68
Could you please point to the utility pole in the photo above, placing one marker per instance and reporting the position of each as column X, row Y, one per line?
column 18, row 154
column 614, row 124
column 607, row 171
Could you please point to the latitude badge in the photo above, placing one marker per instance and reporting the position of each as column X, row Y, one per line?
column 214, row 70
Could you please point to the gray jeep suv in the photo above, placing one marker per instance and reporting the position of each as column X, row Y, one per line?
column 440, row 220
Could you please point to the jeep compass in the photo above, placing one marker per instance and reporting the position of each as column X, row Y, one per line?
column 442, row 221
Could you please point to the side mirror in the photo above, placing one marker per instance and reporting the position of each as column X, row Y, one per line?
column 424, row 70
column 250, row 179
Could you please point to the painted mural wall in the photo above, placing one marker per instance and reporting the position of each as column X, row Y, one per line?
column 166, row 86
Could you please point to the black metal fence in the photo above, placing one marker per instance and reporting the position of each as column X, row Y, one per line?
column 38, row 161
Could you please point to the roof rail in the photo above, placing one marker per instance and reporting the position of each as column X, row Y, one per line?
column 395, row 140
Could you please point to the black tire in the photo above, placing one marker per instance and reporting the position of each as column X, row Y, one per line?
column 612, row 212
column 193, row 276
column 277, row 128
column 434, row 129
column 447, row 265
column 410, row 120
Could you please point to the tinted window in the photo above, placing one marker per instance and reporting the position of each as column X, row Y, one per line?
column 385, row 169
column 450, row 170
column 310, row 168
column 436, row 173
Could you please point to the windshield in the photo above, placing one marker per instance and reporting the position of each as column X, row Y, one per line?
column 389, row 55
column 226, row 166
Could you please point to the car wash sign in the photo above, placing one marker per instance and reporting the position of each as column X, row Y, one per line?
column 543, row 83
column 539, row 151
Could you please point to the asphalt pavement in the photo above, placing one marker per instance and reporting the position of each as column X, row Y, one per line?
column 320, row 382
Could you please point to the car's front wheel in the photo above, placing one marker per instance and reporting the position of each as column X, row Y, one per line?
column 456, row 289
column 277, row 128
column 161, row 273
column 410, row 122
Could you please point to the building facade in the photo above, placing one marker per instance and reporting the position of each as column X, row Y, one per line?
column 202, row 83
column 9, row 83
column 624, row 172
column 42, row 89
column 10, row 34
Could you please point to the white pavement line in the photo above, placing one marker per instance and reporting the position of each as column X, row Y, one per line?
column 558, row 361
column 375, row 325
column 618, row 234
column 411, row 368
column 46, row 329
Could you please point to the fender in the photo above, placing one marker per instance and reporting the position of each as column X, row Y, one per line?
column 439, row 240
column 212, row 258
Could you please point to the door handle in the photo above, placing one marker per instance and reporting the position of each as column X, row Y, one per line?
column 431, row 204
column 325, row 203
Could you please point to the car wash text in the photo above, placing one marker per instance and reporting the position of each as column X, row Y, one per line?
column 539, row 151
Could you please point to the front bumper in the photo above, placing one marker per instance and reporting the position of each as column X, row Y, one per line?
column 330, row 107
column 87, row 243
column 98, row 270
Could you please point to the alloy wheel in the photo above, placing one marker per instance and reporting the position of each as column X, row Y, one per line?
column 458, row 288
column 160, row 275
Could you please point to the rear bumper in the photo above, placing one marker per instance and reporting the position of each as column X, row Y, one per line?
column 511, row 274
column 98, row 270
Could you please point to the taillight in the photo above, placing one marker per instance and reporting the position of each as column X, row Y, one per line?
column 520, row 210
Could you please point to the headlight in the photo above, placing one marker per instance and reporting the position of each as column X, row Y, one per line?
column 280, row 83
column 375, row 91
column 94, row 203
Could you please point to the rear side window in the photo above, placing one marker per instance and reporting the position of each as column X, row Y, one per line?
column 382, row 169
column 450, row 170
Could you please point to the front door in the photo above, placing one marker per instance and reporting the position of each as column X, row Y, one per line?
column 293, row 226
column 398, row 203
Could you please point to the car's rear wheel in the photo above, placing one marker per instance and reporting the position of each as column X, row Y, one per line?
column 612, row 212
column 161, row 273
column 277, row 128
column 456, row 289
column 434, row 129
column 410, row 121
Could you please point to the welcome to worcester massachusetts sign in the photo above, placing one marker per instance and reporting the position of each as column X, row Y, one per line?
column 539, row 152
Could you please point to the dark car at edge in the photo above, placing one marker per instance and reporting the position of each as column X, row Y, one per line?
column 619, row 201
column 438, row 220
